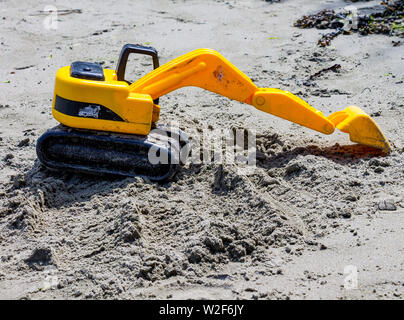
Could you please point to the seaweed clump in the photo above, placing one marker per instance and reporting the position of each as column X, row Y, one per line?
column 386, row 18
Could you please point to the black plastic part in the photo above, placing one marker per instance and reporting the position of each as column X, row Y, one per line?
column 135, row 48
column 84, row 109
column 87, row 70
column 101, row 153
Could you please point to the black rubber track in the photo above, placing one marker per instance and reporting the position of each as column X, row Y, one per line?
column 100, row 153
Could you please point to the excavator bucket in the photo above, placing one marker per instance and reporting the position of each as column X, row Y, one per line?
column 360, row 127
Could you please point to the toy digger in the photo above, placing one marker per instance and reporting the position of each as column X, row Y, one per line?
column 107, row 121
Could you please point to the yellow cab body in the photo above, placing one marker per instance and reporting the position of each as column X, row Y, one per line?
column 125, row 111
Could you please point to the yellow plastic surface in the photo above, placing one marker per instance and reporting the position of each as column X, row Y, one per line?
column 207, row 69
column 136, row 109
column 203, row 68
column 287, row 106
column 361, row 127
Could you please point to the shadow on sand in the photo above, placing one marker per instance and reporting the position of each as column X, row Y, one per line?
column 343, row 155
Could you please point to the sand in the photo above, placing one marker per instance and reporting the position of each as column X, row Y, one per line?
column 319, row 218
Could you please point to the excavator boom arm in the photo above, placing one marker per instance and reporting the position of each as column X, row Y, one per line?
column 204, row 68
column 209, row 70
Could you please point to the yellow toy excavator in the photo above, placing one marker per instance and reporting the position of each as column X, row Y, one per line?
column 107, row 121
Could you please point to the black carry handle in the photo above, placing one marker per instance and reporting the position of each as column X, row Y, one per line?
column 135, row 48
